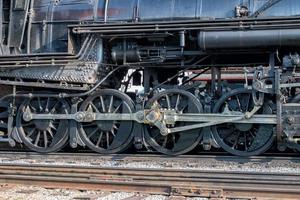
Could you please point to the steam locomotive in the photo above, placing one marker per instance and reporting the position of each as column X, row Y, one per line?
column 163, row 75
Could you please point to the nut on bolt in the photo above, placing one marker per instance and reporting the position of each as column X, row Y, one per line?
column 89, row 117
column 140, row 116
column 291, row 120
column 80, row 116
column 27, row 116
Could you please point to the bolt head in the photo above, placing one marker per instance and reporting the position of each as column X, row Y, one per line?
column 291, row 120
column 140, row 116
column 80, row 116
column 89, row 116
column 12, row 143
column 27, row 116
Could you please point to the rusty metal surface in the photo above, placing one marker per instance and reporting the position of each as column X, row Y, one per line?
column 94, row 157
column 159, row 181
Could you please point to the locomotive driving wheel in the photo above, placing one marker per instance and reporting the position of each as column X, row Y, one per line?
column 242, row 139
column 43, row 136
column 179, row 101
column 107, row 136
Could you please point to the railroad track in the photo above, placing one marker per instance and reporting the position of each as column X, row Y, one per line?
column 188, row 183
column 156, row 160
column 157, row 157
column 27, row 168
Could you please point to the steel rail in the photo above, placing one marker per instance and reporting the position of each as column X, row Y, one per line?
column 156, row 181
column 152, row 157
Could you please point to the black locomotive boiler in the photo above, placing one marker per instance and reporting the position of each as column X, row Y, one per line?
column 166, row 75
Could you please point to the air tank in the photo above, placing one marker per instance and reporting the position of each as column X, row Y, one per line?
column 249, row 39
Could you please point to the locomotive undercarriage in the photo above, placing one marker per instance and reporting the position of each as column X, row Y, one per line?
column 172, row 121
column 174, row 114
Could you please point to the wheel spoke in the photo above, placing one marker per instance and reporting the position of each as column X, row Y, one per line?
column 102, row 104
column 107, row 139
column 115, row 127
column 177, row 102
column 45, row 139
column 184, row 107
column 111, row 104
column 94, row 107
column 31, row 132
column 53, row 127
column 39, row 103
column 53, row 109
column 168, row 102
column 50, row 133
column 248, row 103
column 255, row 129
column 239, row 103
column 245, row 141
column 37, row 138
column 229, row 106
column 251, row 133
column 118, row 107
column 99, row 139
column 174, row 139
column 47, row 105
column 236, row 140
column 165, row 141
column 113, row 133
column 32, row 108
column 93, row 133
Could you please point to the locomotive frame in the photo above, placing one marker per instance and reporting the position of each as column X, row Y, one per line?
column 85, row 105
